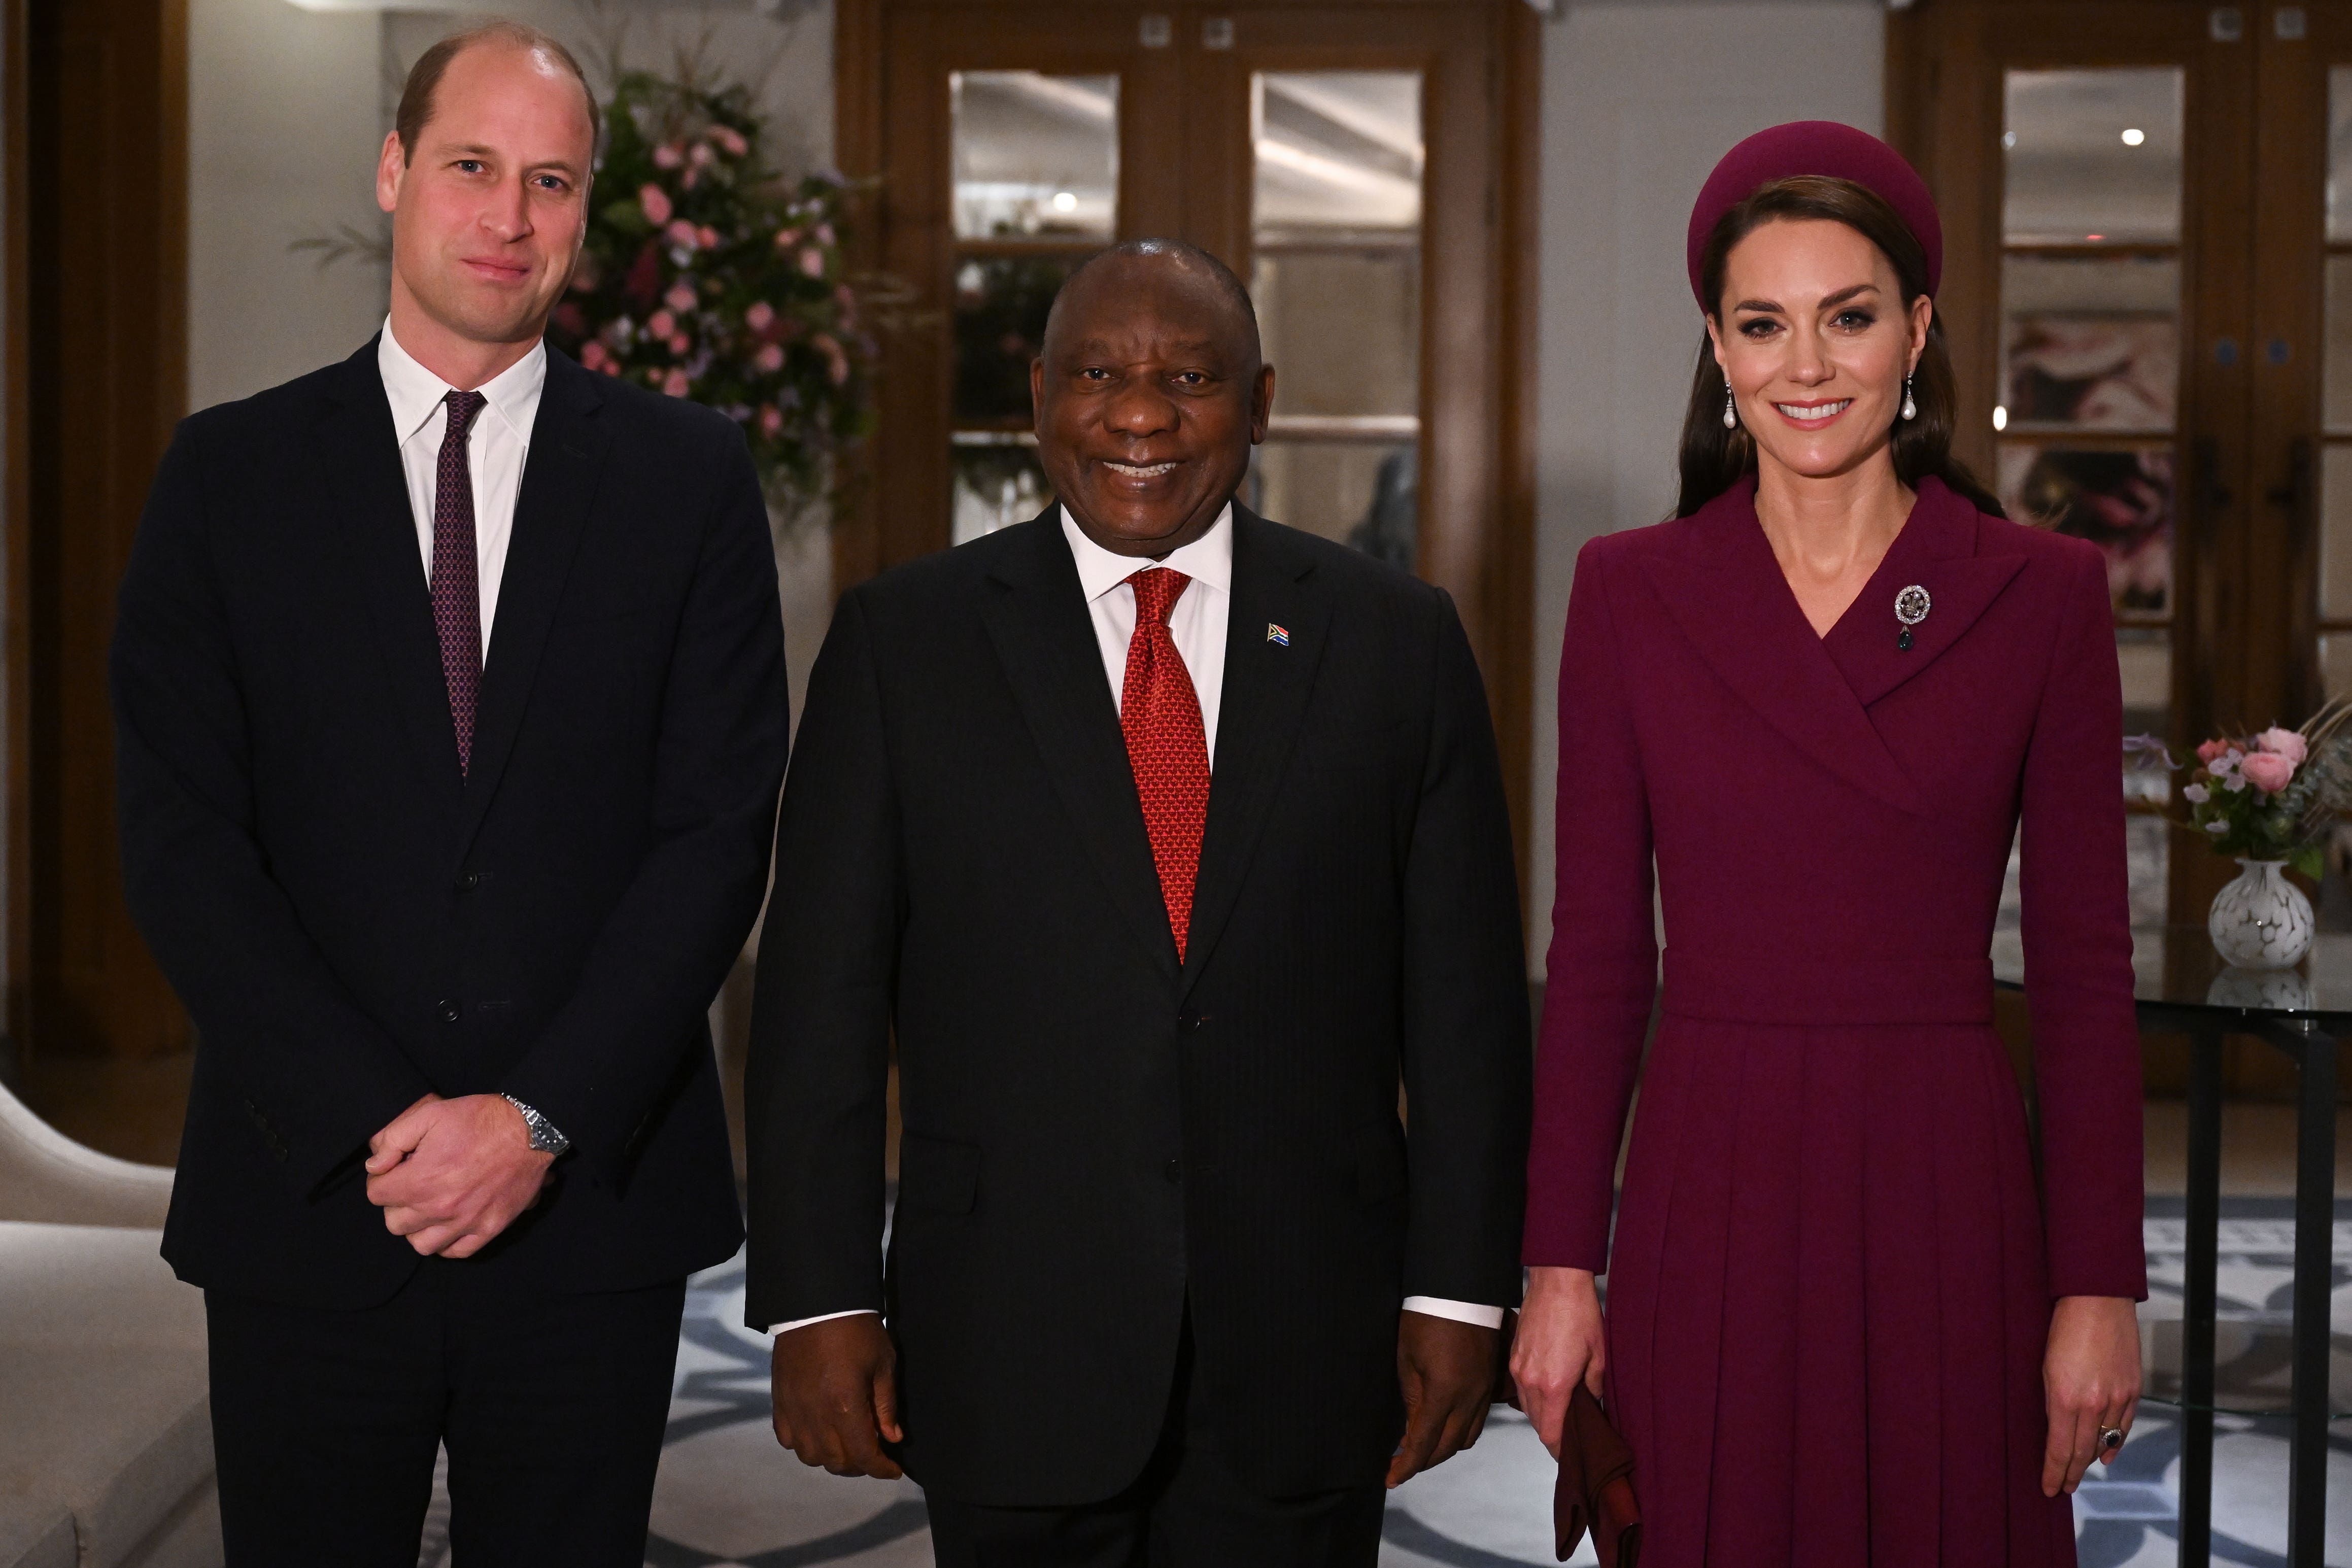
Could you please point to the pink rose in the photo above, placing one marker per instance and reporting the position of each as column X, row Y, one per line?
column 592, row 354
column 2268, row 771
column 675, row 383
column 2285, row 744
column 770, row 359
column 655, row 201
column 760, row 316
column 770, row 421
column 2210, row 750
column 813, row 262
column 787, row 238
column 708, row 236
column 679, row 342
column 727, row 137
column 661, row 324
column 667, row 156
column 682, row 234
column 679, row 298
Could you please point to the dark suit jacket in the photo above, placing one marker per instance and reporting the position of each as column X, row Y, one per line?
column 350, row 921
column 1095, row 1137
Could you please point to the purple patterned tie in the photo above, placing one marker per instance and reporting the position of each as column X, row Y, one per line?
column 456, row 592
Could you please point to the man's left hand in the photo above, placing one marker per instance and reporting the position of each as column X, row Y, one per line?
column 450, row 1175
column 1447, row 1373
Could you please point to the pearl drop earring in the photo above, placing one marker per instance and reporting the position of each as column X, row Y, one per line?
column 1910, row 409
column 1730, row 409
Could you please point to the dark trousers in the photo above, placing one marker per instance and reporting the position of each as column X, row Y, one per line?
column 326, row 1423
column 1187, row 1509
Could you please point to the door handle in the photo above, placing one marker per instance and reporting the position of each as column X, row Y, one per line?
column 2294, row 495
column 2209, row 500
column 2296, row 498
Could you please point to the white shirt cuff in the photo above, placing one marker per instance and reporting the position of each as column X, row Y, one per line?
column 828, row 1316
column 1460, row 1312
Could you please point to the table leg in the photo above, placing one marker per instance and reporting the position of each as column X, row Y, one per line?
column 2197, row 1309
column 2314, row 1272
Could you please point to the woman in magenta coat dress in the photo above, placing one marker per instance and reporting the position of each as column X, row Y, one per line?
column 1841, row 1326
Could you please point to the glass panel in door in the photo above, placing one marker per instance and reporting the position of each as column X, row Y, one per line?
column 1336, row 276
column 2090, row 366
column 2336, row 401
column 1034, row 161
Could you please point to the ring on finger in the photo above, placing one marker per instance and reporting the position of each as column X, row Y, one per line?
column 2110, row 1439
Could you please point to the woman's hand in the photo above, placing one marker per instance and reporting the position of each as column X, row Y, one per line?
column 1560, row 1341
column 2090, row 1378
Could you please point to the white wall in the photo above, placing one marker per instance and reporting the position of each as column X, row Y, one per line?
column 287, row 107
column 282, row 132
column 1640, row 97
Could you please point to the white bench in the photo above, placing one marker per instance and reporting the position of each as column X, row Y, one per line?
column 106, row 1452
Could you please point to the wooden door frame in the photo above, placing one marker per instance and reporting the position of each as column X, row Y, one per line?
column 60, row 740
column 1484, row 556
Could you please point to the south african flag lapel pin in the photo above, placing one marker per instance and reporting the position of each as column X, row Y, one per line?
column 1276, row 635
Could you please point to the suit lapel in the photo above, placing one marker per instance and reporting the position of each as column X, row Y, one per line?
column 1936, row 551
column 358, row 444
column 1728, row 594
column 1036, row 618
column 1267, row 685
column 559, row 482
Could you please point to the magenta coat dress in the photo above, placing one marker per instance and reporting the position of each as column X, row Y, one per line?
column 1832, row 1277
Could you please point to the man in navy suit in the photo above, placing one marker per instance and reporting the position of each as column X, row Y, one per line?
column 449, row 692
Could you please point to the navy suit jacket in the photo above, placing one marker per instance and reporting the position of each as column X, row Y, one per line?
column 352, row 921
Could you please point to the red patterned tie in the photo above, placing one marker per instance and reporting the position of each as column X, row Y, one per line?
column 1166, row 744
column 457, row 592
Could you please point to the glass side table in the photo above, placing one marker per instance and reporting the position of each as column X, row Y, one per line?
column 2181, row 986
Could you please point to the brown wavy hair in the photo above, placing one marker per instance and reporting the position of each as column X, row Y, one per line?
column 1714, row 459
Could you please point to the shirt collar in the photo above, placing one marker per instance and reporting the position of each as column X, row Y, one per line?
column 416, row 391
column 1208, row 559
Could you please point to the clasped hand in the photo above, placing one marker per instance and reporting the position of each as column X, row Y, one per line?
column 450, row 1175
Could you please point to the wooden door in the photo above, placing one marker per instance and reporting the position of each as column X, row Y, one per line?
column 98, row 346
column 1012, row 141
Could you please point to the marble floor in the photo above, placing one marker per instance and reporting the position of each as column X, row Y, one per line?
column 727, row 1498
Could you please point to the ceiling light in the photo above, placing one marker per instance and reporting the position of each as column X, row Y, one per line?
column 1064, row 202
column 2008, row 138
column 1999, row 418
column 2135, row 136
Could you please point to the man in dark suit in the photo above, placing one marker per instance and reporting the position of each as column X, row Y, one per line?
column 1166, row 1279
column 449, row 694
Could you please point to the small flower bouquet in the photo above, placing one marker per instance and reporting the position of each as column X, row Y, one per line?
column 2251, row 797
column 2267, row 800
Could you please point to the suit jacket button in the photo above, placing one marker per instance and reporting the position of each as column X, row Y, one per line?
column 1188, row 1020
column 448, row 1011
column 1174, row 1170
column 469, row 881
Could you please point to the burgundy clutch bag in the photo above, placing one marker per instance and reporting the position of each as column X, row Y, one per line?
column 1595, row 1491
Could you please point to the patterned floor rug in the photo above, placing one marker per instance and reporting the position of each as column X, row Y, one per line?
column 727, row 1498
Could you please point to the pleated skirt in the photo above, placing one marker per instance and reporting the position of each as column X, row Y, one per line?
column 1827, row 1302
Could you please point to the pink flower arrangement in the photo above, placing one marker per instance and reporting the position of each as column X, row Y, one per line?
column 712, row 277
column 2269, row 796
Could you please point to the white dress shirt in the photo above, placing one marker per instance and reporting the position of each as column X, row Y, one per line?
column 1198, row 623
column 494, row 448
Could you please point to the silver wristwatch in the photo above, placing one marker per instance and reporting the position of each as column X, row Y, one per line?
column 543, row 1135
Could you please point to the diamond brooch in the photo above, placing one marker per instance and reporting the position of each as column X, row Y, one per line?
column 1911, row 607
